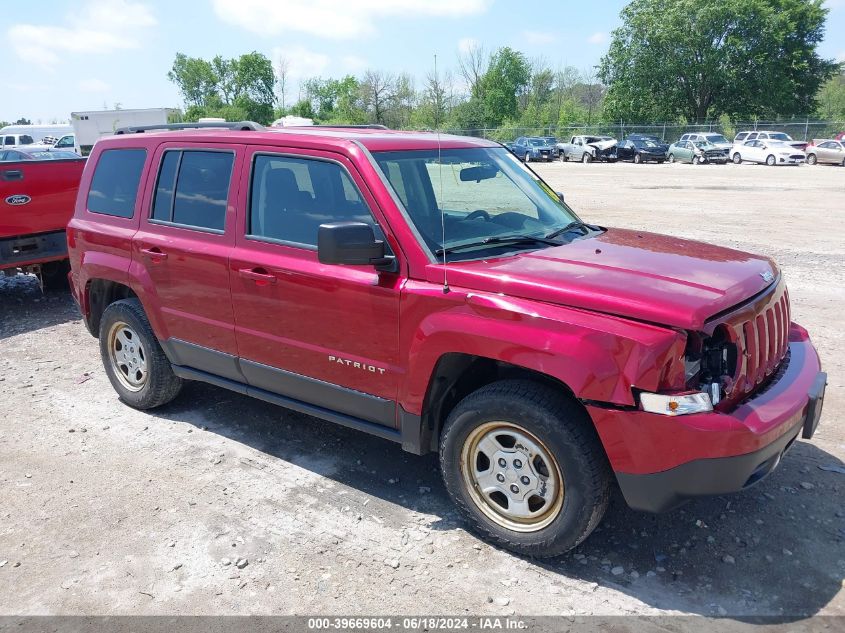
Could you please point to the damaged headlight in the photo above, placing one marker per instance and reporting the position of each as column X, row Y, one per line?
column 676, row 404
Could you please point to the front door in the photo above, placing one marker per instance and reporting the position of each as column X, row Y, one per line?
column 183, row 245
column 322, row 334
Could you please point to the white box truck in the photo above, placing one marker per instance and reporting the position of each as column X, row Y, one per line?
column 90, row 126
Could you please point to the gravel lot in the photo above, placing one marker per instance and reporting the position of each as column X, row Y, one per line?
column 219, row 504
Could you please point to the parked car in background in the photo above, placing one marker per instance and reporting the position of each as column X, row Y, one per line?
column 8, row 141
column 768, row 152
column 640, row 150
column 565, row 359
column 37, row 194
column 768, row 135
column 35, row 154
column 714, row 138
column 588, row 148
column 67, row 143
column 529, row 148
column 696, row 152
column 830, row 151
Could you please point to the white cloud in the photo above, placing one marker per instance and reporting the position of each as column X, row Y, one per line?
column 538, row 37
column 302, row 63
column 332, row 19
column 353, row 64
column 93, row 85
column 598, row 37
column 100, row 26
column 466, row 44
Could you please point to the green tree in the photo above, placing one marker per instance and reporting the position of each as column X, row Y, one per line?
column 505, row 81
column 699, row 59
column 23, row 121
column 831, row 97
column 235, row 89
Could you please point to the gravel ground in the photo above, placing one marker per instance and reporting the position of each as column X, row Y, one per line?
column 220, row 504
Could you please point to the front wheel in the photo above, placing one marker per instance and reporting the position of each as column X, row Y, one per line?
column 524, row 465
column 811, row 159
column 527, row 157
column 134, row 361
column 737, row 159
column 638, row 159
column 562, row 157
column 770, row 160
column 696, row 160
column 586, row 157
column 671, row 158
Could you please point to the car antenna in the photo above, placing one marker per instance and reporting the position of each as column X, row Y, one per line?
column 442, row 214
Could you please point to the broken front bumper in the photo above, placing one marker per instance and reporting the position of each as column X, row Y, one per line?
column 660, row 461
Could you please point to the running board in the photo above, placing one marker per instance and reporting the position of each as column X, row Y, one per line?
column 290, row 403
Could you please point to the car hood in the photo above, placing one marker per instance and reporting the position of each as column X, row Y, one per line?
column 644, row 276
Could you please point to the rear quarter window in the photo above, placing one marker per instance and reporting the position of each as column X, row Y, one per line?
column 114, row 186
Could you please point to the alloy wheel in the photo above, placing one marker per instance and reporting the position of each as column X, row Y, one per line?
column 512, row 477
column 128, row 357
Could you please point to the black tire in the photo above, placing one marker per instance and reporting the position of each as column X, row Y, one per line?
column 563, row 157
column 161, row 384
column 54, row 275
column 812, row 159
column 737, row 159
column 771, row 161
column 638, row 159
column 696, row 160
column 671, row 158
column 527, row 157
column 564, row 428
column 586, row 157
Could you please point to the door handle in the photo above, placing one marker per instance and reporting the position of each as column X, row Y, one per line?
column 154, row 254
column 258, row 275
column 12, row 174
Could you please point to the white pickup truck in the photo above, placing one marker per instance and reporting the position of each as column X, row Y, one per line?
column 586, row 148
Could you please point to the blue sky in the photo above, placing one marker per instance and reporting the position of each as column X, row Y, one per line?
column 62, row 55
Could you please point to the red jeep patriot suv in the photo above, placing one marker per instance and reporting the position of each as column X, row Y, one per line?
column 434, row 291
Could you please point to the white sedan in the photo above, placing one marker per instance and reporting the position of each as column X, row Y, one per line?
column 767, row 151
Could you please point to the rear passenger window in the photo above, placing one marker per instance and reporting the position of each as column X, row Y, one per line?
column 193, row 188
column 114, row 186
column 291, row 197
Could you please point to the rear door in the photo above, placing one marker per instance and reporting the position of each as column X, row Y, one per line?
column 182, row 250
column 322, row 334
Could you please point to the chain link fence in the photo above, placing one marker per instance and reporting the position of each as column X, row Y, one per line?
column 798, row 130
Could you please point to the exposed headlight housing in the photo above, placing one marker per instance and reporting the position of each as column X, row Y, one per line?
column 676, row 404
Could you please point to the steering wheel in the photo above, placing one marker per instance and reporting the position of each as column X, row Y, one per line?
column 478, row 213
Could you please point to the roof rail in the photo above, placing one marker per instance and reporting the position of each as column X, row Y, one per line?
column 239, row 126
column 363, row 126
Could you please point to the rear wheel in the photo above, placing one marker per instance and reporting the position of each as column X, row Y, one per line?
column 525, row 466
column 770, row 160
column 812, row 159
column 586, row 157
column 737, row 159
column 134, row 361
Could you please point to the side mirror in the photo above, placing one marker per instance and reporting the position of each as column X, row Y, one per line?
column 350, row 243
column 560, row 196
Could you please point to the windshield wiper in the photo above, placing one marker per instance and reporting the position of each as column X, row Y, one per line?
column 575, row 224
column 497, row 240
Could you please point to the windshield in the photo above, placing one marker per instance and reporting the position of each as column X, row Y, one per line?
column 473, row 195
column 779, row 136
column 716, row 138
column 536, row 142
column 644, row 142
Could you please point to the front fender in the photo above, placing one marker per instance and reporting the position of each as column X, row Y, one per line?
column 599, row 357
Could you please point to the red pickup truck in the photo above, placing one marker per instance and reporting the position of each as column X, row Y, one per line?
column 434, row 291
column 36, row 202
